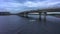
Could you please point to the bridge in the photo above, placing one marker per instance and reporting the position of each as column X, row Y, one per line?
column 40, row 12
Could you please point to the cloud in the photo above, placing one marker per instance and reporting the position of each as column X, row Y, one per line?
column 14, row 6
column 10, row 6
column 34, row 4
column 44, row 4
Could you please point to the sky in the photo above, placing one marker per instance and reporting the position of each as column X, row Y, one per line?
column 15, row 6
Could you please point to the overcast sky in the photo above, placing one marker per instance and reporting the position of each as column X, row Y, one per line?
column 15, row 6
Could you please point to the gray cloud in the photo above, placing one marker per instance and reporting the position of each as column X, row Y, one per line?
column 14, row 5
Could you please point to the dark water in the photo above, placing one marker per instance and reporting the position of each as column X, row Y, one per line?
column 14, row 24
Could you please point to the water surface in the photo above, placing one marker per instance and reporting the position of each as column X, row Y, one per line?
column 14, row 24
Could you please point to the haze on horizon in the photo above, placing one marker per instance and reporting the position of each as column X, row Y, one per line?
column 15, row 6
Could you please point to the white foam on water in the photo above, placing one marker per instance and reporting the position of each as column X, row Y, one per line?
column 32, row 20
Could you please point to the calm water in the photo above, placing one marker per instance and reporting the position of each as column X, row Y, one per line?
column 14, row 24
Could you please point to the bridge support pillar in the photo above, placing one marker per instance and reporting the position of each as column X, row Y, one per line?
column 40, row 15
column 45, row 13
column 26, row 15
